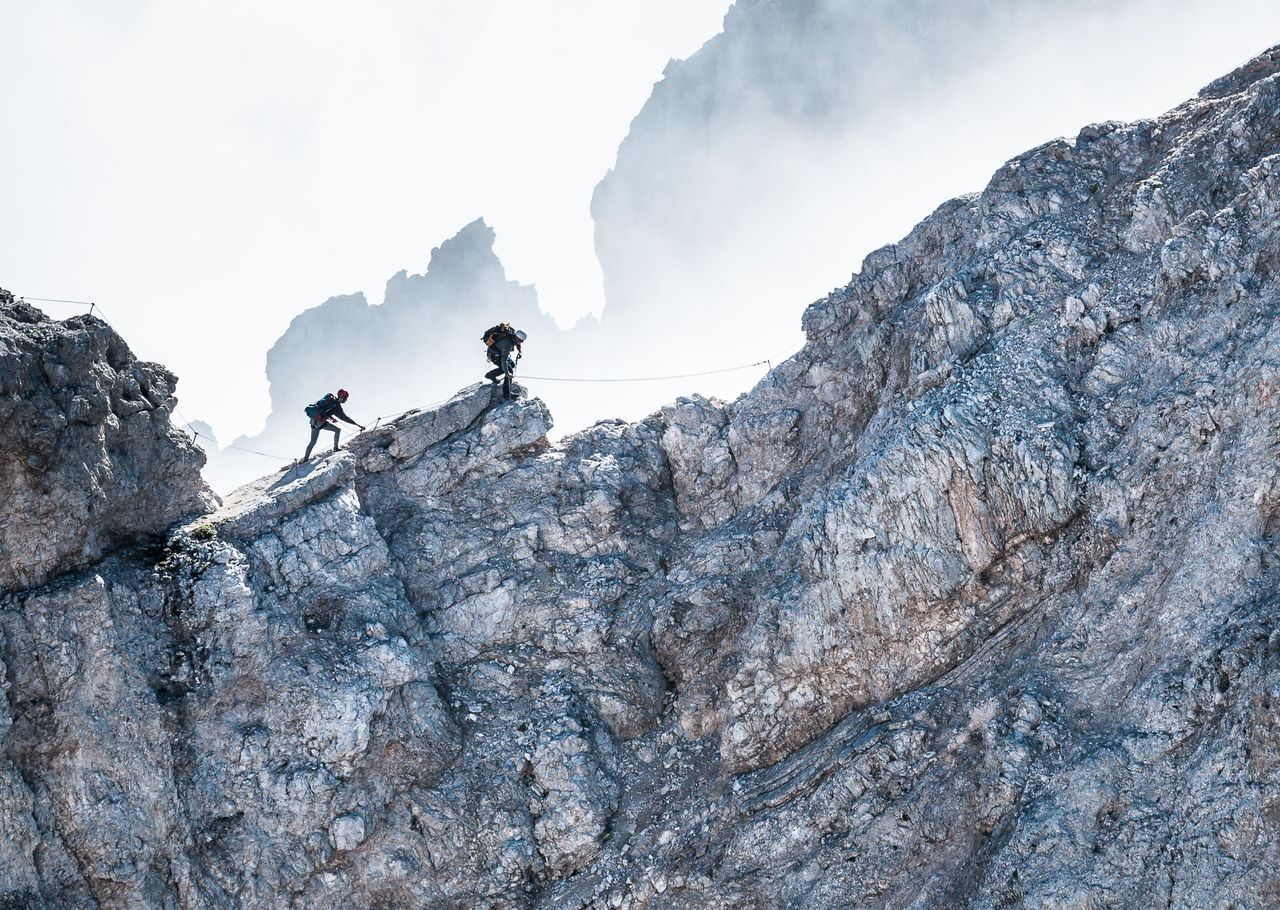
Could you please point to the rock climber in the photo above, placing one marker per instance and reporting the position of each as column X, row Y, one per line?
column 501, row 340
column 322, row 415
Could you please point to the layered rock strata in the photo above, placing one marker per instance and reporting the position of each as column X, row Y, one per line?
column 971, row 603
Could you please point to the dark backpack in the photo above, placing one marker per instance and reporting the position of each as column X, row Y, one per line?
column 492, row 335
column 322, row 408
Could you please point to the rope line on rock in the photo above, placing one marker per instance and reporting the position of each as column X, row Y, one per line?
column 196, row 434
column 251, row 451
column 418, row 407
column 789, row 350
column 768, row 361
column 89, row 303
column 643, row 378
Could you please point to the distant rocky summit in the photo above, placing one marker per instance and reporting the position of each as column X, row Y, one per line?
column 971, row 603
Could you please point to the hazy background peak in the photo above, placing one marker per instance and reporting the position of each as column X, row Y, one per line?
column 810, row 132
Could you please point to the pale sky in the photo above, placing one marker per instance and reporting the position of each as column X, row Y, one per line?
column 207, row 169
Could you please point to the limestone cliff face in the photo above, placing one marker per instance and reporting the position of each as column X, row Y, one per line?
column 971, row 603
column 88, row 459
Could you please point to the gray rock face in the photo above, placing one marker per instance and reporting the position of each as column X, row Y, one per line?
column 88, row 459
column 969, row 604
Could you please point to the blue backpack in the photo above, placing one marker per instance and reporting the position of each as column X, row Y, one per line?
column 322, row 408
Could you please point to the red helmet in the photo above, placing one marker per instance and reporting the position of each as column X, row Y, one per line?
column 343, row 394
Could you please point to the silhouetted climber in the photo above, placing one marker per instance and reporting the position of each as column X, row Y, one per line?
column 322, row 414
column 501, row 340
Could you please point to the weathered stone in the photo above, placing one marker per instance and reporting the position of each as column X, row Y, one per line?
column 968, row 604
column 88, row 458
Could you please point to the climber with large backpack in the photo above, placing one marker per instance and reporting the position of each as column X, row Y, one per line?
column 322, row 415
column 501, row 340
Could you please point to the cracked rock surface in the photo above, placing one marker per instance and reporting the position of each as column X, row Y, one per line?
column 88, row 458
column 971, row 603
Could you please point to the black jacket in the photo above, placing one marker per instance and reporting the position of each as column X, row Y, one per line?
column 331, row 406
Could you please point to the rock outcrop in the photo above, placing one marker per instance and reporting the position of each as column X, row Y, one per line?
column 88, row 458
column 971, row 603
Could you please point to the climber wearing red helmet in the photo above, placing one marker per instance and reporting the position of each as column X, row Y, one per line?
column 322, row 415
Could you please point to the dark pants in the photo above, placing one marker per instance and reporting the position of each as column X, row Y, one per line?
column 500, row 353
column 315, row 434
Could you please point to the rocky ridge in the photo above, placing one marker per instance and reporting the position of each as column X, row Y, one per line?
column 418, row 344
column 89, row 459
column 970, row 603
